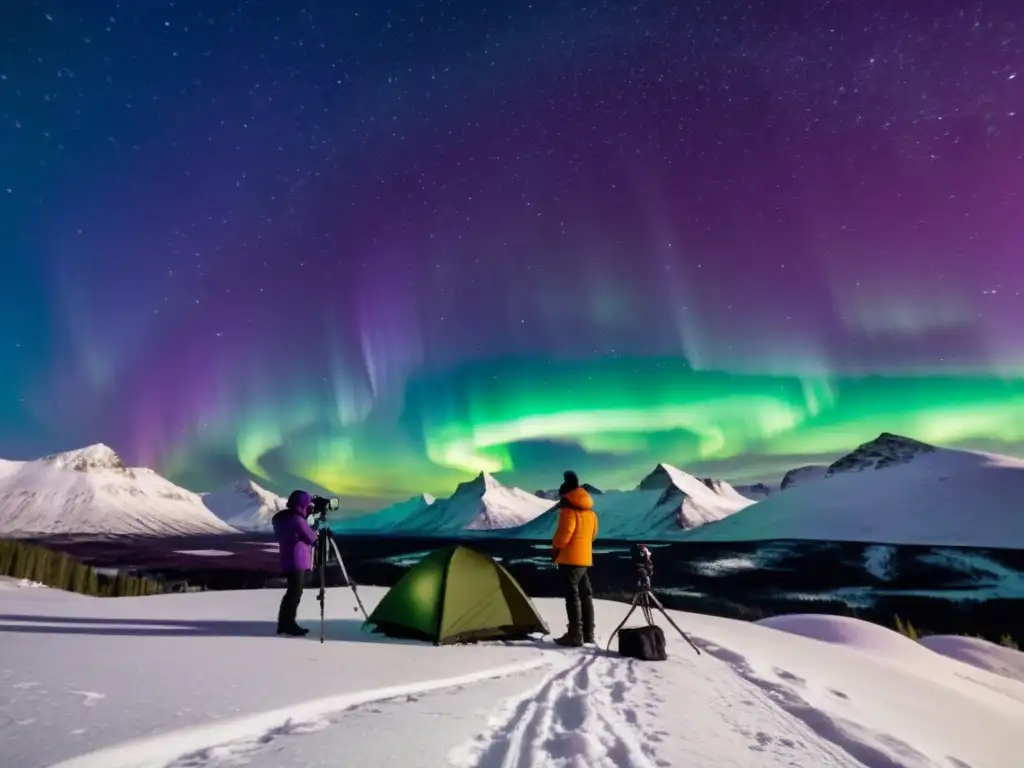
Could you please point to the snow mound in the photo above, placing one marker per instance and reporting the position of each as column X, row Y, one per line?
column 979, row 653
column 802, row 475
column 915, row 494
column 90, row 491
column 482, row 504
column 667, row 503
column 245, row 505
column 844, row 630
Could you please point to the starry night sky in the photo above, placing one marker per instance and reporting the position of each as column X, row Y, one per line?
column 380, row 246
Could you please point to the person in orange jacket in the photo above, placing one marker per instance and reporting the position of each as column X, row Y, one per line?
column 573, row 553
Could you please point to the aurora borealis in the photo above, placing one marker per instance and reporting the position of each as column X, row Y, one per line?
column 381, row 246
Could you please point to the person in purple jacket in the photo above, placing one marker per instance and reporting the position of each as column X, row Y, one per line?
column 295, row 539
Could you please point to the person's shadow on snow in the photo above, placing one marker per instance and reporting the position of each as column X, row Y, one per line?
column 335, row 630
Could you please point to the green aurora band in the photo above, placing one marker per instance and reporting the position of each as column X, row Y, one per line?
column 615, row 419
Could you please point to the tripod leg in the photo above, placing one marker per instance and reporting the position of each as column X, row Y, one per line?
column 645, row 606
column 320, row 595
column 632, row 608
column 686, row 637
column 344, row 573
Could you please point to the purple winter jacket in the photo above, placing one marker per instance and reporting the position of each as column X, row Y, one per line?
column 295, row 539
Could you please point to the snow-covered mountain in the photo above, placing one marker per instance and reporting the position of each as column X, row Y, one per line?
column 886, row 450
column 667, row 503
column 802, row 475
column 244, row 505
column 893, row 490
column 552, row 494
column 91, row 491
column 756, row 491
column 387, row 521
column 482, row 504
column 722, row 488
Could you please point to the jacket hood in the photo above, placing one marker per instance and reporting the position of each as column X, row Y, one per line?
column 578, row 498
column 299, row 500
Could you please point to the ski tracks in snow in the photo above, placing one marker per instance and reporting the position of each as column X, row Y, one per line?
column 599, row 710
column 580, row 716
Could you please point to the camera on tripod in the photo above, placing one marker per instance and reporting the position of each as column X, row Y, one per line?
column 320, row 506
column 316, row 516
column 640, row 556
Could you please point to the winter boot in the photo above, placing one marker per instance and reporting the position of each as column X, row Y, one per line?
column 571, row 639
column 587, row 611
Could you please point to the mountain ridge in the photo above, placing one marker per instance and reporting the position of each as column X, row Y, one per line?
column 665, row 503
column 244, row 505
column 91, row 491
column 893, row 490
column 480, row 504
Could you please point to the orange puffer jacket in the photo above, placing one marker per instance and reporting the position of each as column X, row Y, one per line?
column 577, row 529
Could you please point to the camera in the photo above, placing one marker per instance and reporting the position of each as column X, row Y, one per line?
column 318, row 509
column 640, row 556
column 321, row 505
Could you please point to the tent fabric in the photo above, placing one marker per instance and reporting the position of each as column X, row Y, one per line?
column 457, row 595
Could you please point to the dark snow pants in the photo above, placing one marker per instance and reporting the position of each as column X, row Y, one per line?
column 290, row 601
column 579, row 600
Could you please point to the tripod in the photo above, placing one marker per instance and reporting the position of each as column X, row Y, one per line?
column 325, row 544
column 645, row 599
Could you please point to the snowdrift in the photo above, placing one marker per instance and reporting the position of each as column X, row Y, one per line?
column 91, row 491
column 886, row 644
column 853, row 633
column 979, row 653
column 893, row 491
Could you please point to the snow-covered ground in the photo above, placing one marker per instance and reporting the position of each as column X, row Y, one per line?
column 196, row 680
column 9, row 582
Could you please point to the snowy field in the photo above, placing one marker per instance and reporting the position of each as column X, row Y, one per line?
column 197, row 680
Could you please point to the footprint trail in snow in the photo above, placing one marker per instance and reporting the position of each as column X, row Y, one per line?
column 604, row 711
column 580, row 716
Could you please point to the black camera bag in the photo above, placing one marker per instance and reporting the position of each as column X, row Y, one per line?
column 643, row 643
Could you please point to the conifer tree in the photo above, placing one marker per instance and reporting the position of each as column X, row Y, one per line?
column 80, row 578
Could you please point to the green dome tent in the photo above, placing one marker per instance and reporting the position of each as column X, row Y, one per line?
column 456, row 595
